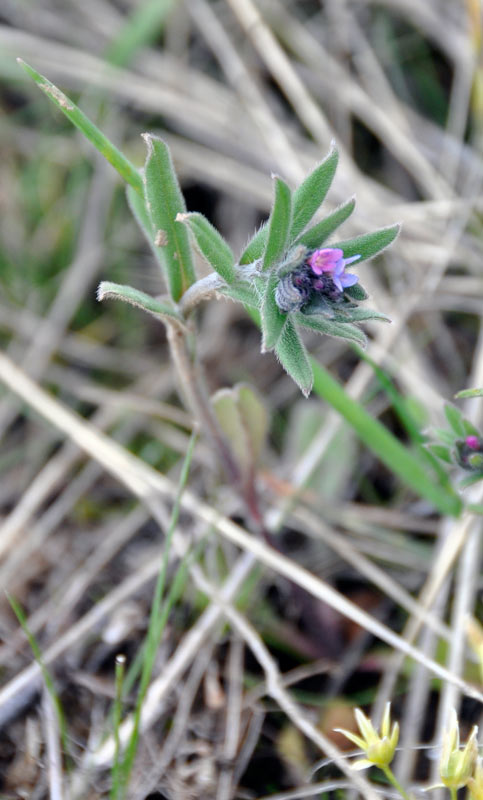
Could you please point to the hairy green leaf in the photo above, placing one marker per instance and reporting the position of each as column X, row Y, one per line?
column 317, row 235
column 278, row 224
column 164, row 201
column 273, row 319
column 341, row 330
column 211, row 244
column 160, row 309
column 293, row 357
column 255, row 247
column 356, row 292
column 312, row 192
column 362, row 315
column 241, row 292
column 110, row 152
column 369, row 244
column 442, row 452
column 137, row 204
column 455, row 419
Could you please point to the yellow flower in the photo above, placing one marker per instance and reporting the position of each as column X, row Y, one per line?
column 475, row 784
column 379, row 748
column 456, row 766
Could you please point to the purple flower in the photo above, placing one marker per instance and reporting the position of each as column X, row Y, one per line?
column 331, row 259
column 472, row 442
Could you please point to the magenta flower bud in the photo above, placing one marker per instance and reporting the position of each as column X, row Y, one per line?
column 331, row 259
column 472, row 442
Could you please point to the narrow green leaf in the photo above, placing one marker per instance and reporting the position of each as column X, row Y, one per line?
column 137, row 204
column 341, row 330
column 455, row 419
column 469, row 393
column 470, row 480
column 212, row 245
column 447, row 437
column 116, row 291
column 391, row 452
column 440, row 451
column 241, row 292
column 362, row 315
column 317, row 235
column 470, row 429
column 369, row 244
column 255, row 418
column 278, row 225
column 312, row 192
column 110, row 152
column 293, row 357
column 255, row 247
column 273, row 320
column 164, row 202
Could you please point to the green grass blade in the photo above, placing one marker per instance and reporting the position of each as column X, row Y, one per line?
column 115, row 792
column 164, row 201
column 157, row 621
column 391, row 452
column 126, row 170
column 49, row 683
column 142, row 28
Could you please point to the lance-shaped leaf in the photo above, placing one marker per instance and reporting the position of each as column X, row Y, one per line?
column 362, row 315
column 341, row 330
column 442, row 452
column 455, row 419
column 469, row 393
column 110, row 152
column 255, row 247
column 293, row 357
column 211, row 244
column 278, row 224
column 369, row 244
column 470, row 480
column 316, row 236
column 161, row 309
column 273, row 319
column 312, row 191
column 244, row 421
column 164, row 202
column 137, row 204
column 241, row 292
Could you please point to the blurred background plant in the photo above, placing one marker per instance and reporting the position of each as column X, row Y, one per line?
column 238, row 89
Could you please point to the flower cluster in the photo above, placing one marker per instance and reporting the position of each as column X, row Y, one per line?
column 378, row 748
column 457, row 766
column 321, row 274
column 460, row 445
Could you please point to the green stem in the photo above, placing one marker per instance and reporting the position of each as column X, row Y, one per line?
column 454, row 793
column 394, row 781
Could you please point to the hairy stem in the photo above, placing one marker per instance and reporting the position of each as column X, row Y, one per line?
column 194, row 389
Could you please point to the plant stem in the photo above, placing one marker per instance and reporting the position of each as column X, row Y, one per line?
column 394, row 781
column 194, row 389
